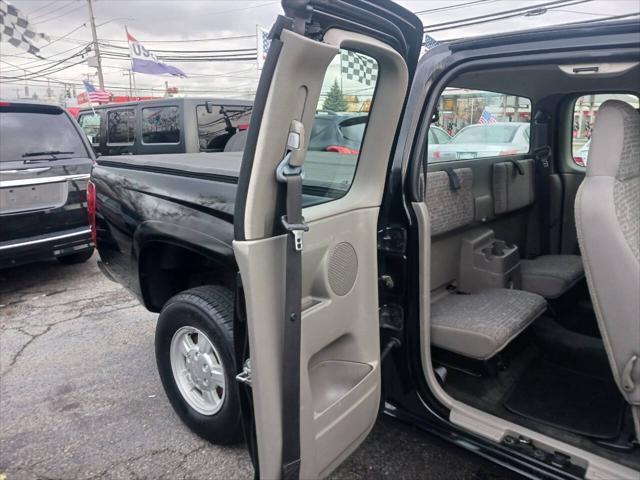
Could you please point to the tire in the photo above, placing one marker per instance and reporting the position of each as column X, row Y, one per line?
column 74, row 258
column 209, row 310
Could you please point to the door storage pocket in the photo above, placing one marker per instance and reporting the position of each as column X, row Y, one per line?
column 513, row 186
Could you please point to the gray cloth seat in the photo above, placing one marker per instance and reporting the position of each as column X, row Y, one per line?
column 481, row 324
column 551, row 275
column 237, row 141
column 608, row 225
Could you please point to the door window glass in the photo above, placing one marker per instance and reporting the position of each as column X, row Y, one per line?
column 217, row 124
column 121, row 126
column 90, row 124
column 339, row 126
column 481, row 124
column 160, row 125
column 584, row 115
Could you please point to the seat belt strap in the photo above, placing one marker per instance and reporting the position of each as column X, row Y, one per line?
column 290, row 172
column 542, row 155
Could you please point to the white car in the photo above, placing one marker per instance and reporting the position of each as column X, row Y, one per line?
column 485, row 140
column 581, row 156
column 437, row 137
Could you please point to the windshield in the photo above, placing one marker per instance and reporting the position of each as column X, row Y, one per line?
column 27, row 133
column 354, row 132
column 486, row 134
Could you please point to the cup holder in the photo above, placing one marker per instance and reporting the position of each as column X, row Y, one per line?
column 487, row 262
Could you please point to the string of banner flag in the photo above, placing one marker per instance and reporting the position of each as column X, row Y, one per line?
column 16, row 29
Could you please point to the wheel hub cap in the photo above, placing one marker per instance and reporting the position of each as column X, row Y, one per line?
column 197, row 370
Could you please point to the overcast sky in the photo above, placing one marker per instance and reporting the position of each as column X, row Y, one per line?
column 202, row 25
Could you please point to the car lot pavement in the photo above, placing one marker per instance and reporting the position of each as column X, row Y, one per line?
column 80, row 397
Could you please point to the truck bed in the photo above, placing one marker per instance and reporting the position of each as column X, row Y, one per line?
column 225, row 164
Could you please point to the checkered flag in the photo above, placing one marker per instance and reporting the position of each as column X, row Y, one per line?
column 16, row 29
column 264, row 42
column 429, row 42
column 358, row 67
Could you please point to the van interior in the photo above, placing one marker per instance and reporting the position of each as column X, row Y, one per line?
column 523, row 334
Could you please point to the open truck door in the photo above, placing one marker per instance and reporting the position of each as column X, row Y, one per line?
column 306, row 229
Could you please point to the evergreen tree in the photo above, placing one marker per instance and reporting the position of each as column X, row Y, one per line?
column 335, row 100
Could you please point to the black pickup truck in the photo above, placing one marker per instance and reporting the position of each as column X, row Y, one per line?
column 305, row 291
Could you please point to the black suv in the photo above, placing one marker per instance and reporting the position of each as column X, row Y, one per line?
column 45, row 161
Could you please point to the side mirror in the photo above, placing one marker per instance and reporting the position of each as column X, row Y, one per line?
column 436, row 116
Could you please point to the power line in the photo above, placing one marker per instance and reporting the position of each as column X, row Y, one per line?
column 230, row 50
column 193, row 40
column 32, row 64
column 123, row 87
column 40, row 73
column 47, row 70
column 58, row 7
column 452, row 7
column 68, row 12
column 56, row 39
column 582, row 13
column 492, row 17
column 606, row 19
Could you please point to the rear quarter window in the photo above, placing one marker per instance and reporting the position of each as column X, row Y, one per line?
column 91, row 125
column 121, row 126
column 481, row 124
column 161, row 125
column 218, row 123
column 585, row 111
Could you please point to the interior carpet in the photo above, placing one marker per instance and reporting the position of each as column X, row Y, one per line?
column 568, row 400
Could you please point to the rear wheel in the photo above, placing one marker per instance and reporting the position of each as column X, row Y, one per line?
column 194, row 353
column 74, row 258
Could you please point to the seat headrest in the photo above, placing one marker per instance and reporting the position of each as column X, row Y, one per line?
column 615, row 144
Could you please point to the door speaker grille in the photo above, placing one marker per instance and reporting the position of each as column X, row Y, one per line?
column 343, row 268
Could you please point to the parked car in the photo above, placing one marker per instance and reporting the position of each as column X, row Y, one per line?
column 45, row 162
column 171, row 125
column 437, row 136
column 486, row 140
column 331, row 132
column 581, row 157
column 337, row 132
column 306, row 291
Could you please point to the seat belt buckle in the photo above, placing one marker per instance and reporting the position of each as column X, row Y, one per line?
column 542, row 154
column 297, row 229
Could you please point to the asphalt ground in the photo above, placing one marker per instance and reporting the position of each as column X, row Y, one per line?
column 80, row 397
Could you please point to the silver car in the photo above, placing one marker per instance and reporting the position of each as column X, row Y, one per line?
column 485, row 140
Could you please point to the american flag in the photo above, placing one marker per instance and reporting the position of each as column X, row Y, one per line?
column 95, row 94
column 487, row 117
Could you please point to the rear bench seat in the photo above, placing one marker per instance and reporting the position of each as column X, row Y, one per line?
column 548, row 275
column 551, row 275
column 480, row 324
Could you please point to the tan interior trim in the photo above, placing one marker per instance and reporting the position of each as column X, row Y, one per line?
column 283, row 106
column 477, row 421
column 340, row 344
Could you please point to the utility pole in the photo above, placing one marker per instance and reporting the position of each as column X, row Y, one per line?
column 129, row 73
column 96, row 47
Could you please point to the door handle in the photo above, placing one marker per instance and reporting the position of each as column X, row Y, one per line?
column 28, row 170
